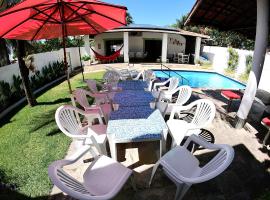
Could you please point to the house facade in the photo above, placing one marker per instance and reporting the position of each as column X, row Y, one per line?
column 145, row 43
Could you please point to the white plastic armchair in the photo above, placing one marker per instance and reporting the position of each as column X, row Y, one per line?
column 166, row 92
column 149, row 77
column 184, row 94
column 139, row 75
column 203, row 116
column 70, row 125
column 101, row 108
column 102, row 180
column 184, row 169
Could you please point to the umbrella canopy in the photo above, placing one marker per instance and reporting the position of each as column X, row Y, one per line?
column 45, row 19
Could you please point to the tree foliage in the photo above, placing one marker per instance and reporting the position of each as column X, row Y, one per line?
column 233, row 59
column 218, row 38
column 129, row 19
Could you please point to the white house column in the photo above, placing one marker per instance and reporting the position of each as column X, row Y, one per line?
column 86, row 44
column 126, row 47
column 164, row 47
column 197, row 48
column 258, row 61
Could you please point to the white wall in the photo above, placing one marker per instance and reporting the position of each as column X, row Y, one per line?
column 176, row 44
column 41, row 60
column 219, row 57
column 136, row 43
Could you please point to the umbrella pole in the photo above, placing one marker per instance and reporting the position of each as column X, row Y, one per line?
column 66, row 64
column 81, row 59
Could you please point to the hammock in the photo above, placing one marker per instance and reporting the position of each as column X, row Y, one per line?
column 108, row 58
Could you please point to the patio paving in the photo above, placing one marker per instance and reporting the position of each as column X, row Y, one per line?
column 246, row 178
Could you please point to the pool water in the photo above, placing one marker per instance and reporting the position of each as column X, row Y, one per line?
column 198, row 79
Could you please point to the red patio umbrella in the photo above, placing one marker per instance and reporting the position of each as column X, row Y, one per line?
column 47, row 19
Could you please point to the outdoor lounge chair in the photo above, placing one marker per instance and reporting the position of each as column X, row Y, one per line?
column 102, row 107
column 204, row 114
column 165, row 106
column 102, row 180
column 161, row 91
column 68, row 121
column 184, row 169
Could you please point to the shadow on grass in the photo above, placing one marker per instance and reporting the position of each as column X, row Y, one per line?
column 58, row 101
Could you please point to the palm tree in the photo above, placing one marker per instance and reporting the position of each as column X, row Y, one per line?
column 20, row 49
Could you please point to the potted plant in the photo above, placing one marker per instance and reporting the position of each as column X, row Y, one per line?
column 86, row 60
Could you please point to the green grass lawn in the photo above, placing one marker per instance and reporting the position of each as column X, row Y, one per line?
column 30, row 141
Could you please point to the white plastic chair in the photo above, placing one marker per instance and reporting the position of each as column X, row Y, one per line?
column 184, row 169
column 102, row 108
column 149, row 77
column 102, row 180
column 203, row 116
column 165, row 92
column 184, row 94
column 139, row 75
column 70, row 125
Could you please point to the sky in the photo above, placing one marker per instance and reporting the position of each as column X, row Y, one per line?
column 156, row 12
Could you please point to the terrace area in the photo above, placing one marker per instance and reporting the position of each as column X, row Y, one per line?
column 137, row 112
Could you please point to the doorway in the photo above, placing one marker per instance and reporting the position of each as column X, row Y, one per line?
column 153, row 49
column 112, row 45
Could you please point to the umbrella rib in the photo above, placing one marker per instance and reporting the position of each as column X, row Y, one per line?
column 98, row 13
column 74, row 11
column 71, row 20
column 83, row 19
column 101, row 3
column 43, row 20
column 50, row 16
column 39, row 29
column 25, row 8
column 23, row 22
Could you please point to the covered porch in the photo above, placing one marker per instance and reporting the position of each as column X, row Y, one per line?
column 153, row 44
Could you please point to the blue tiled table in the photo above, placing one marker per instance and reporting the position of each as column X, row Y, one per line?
column 133, row 98
column 136, row 124
column 132, row 85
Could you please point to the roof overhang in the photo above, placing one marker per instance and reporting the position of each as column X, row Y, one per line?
column 226, row 15
column 159, row 30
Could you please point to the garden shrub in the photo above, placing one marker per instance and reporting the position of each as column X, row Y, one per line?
column 9, row 94
column 249, row 60
column 233, row 60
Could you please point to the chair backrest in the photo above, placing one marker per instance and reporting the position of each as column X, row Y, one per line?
column 111, row 76
column 174, row 82
column 184, row 93
column 66, row 182
column 67, row 121
column 92, row 85
column 217, row 164
column 80, row 96
column 205, row 112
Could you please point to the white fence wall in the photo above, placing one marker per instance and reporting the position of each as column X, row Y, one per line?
column 43, row 59
column 219, row 58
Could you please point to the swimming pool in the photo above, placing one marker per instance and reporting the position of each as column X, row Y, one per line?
column 201, row 79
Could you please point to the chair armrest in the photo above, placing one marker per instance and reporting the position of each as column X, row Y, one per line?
column 202, row 142
column 178, row 108
column 160, row 84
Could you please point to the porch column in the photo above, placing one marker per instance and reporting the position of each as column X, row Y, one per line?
column 258, row 61
column 164, row 48
column 126, row 47
column 197, row 49
column 86, row 44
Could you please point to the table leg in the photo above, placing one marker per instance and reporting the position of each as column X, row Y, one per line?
column 113, row 149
